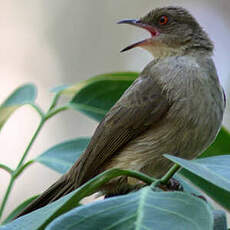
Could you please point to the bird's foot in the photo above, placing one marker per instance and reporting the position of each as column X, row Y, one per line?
column 172, row 185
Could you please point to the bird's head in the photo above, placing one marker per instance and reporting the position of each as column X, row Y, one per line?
column 174, row 31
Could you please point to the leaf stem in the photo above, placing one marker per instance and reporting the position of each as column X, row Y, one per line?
column 170, row 174
column 91, row 186
column 6, row 168
column 166, row 177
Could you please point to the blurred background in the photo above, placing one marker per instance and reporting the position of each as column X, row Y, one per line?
column 50, row 43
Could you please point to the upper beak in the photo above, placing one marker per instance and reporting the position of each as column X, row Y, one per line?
column 138, row 23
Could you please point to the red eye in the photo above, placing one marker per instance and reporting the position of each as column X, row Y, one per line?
column 163, row 20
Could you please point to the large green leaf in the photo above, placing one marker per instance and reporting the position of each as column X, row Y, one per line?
column 145, row 210
column 40, row 218
column 19, row 209
column 97, row 95
column 71, row 90
column 62, row 156
column 23, row 95
column 221, row 145
column 212, row 175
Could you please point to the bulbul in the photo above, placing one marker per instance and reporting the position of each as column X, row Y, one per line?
column 175, row 107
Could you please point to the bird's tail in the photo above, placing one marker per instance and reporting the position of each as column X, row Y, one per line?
column 54, row 192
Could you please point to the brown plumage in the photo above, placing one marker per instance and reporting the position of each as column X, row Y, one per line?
column 175, row 107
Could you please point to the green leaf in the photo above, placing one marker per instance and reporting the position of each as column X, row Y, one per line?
column 23, row 95
column 212, row 175
column 145, row 210
column 40, row 218
column 221, row 145
column 97, row 95
column 71, row 90
column 62, row 156
column 36, row 219
column 61, row 89
column 17, row 210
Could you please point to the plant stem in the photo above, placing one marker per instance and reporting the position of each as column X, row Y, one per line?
column 166, row 177
column 170, row 174
column 38, row 109
column 54, row 112
column 138, row 175
column 42, row 122
column 92, row 185
column 6, row 196
column 6, row 168
column 22, row 168
column 54, row 102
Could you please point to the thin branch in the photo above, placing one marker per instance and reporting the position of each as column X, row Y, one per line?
column 6, row 196
column 54, row 112
column 6, row 168
column 38, row 109
column 31, row 143
column 22, row 168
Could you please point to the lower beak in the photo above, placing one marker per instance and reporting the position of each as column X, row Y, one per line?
column 147, row 27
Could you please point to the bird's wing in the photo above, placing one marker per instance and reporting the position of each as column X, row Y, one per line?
column 141, row 106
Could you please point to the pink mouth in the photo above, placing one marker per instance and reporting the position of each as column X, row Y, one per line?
column 137, row 23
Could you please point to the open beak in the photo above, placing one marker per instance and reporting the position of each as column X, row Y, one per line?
column 147, row 27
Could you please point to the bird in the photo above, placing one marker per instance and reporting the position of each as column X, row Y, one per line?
column 175, row 106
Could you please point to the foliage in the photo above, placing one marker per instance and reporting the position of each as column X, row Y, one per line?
column 150, row 207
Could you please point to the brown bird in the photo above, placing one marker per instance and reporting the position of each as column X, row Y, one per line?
column 175, row 107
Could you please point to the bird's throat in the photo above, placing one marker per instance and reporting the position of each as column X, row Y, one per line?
column 160, row 50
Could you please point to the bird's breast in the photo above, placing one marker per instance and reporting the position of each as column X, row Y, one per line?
column 185, row 131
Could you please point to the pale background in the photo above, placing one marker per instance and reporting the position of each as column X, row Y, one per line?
column 59, row 42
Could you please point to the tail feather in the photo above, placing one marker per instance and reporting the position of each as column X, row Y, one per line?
column 54, row 192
